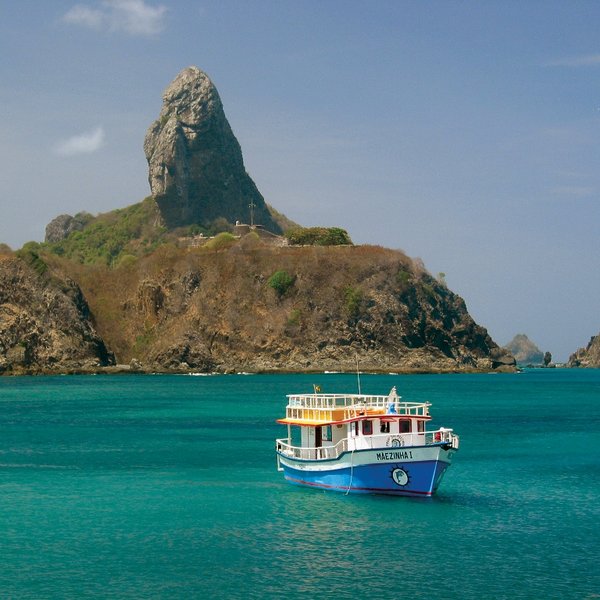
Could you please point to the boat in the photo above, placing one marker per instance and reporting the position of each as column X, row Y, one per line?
column 357, row 443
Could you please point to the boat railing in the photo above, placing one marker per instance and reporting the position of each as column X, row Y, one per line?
column 443, row 435
column 375, row 442
column 399, row 440
column 355, row 404
column 285, row 447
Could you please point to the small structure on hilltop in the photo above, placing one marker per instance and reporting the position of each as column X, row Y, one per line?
column 242, row 229
column 239, row 231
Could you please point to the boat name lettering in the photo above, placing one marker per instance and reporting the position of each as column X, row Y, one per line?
column 395, row 455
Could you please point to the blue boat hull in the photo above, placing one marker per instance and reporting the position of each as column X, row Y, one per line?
column 395, row 477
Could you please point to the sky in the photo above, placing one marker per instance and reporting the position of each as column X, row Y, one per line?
column 463, row 133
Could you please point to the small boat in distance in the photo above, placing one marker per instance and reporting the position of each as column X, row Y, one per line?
column 363, row 444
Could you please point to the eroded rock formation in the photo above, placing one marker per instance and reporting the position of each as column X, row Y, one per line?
column 196, row 169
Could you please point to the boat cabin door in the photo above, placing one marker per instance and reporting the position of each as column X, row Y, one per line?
column 318, row 437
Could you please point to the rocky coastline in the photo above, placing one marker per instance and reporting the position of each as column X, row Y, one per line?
column 588, row 357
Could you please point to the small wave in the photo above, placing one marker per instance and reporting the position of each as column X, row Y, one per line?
column 36, row 466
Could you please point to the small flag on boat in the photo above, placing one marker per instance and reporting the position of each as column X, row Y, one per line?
column 317, row 389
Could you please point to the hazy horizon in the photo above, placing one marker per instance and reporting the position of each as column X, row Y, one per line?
column 462, row 133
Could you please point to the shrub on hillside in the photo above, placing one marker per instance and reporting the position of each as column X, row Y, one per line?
column 221, row 241
column 281, row 282
column 29, row 254
column 318, row 236
column 403, row 278
column 353, row 301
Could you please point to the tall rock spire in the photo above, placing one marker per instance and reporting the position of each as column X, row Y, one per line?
column 196, row 169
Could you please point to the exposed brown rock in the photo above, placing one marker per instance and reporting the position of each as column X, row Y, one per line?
column 587, row 357
column 44, row 323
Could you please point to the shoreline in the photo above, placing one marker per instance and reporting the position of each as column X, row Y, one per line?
column 127, row 370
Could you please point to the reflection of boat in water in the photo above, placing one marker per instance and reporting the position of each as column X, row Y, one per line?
column 362, row 443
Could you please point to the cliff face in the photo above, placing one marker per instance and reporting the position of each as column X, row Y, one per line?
column 228, row 310
column 524, row 350
column 44, row 323
column 588, row 356
column 196, row 169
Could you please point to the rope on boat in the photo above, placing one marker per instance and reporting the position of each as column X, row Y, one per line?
column 351, row 471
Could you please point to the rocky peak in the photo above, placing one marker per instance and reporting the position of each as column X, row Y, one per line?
column 196, row 169
column 524, row 350
column 191, row 98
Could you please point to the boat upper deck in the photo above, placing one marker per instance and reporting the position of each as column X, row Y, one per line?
column 317, row 409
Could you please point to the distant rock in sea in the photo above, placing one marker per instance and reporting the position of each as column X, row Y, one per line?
column 196, row 169
column 524, row 350
column 587, row 357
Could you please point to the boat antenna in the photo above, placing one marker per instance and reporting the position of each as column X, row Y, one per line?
column 358, row 375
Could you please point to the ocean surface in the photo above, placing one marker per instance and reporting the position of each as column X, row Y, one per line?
column 166, row 487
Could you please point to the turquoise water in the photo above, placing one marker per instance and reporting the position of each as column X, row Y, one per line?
column 166, row 487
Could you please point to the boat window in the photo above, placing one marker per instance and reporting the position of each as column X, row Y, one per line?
column 355, row 428
column 404, row 425
column 384, row 427
column 326, row 431
column 420, row 426
column 367, row 427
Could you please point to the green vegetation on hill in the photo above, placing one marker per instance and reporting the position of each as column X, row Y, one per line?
column 110, row 237
column 29, row 253
column 318, row 236
column 281, row 281
column 120, row 237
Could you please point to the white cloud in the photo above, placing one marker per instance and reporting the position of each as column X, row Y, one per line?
column 84, row 143
column 587, row 60
column 83, row 15
column 134, row 17
column 573, row 191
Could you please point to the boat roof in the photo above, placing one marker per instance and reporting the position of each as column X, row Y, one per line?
column 317, row 422
column 332, row 409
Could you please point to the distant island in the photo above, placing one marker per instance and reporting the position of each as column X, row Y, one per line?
column 524, row 350
column 527, row 354
column 205, row 276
